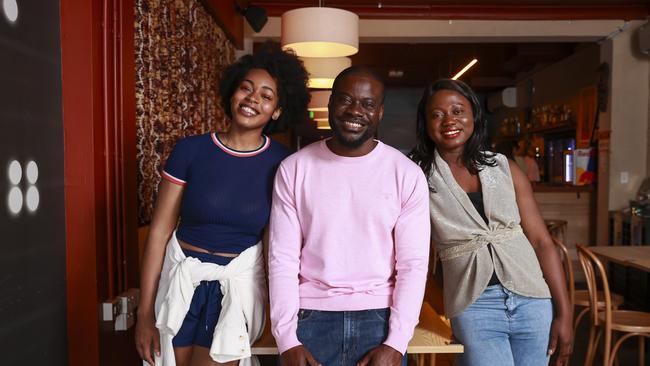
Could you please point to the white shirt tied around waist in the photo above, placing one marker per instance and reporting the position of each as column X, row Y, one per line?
column 241, row 321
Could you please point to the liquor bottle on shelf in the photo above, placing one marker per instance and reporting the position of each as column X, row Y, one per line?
column 540, row 164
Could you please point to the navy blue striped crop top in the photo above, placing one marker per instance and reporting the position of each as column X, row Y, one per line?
column 227, row 193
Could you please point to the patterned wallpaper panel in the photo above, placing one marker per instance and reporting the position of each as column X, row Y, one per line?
column 180, row 53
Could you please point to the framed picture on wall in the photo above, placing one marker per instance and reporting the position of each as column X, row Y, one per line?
column 586, row 117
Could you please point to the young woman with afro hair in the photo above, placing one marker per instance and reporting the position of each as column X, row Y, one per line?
column 203, row 285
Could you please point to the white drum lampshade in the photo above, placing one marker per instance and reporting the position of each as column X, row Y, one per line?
column 320, row 32
column 323, row 70
column 319, row 100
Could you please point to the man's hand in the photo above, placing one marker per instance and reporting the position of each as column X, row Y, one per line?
column 561, row 330
column 298, row 356
column 382, row 355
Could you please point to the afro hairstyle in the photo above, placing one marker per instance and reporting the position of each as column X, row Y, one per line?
column 288, row 72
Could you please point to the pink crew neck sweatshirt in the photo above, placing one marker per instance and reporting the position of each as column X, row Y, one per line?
column 348, row 233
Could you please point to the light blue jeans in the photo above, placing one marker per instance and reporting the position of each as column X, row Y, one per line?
column 502, row 328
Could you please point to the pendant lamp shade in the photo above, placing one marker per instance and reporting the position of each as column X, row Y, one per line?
column 320, row 116
column 319, row 100
column 323, row 125
column 320, row 32
column 323, row 70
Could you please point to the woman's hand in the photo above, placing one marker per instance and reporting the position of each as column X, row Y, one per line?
column 147, row 340
column 165, row 217
column 561, row 334
column 550, row 263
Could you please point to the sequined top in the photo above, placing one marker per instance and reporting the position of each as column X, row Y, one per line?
column 461, row 236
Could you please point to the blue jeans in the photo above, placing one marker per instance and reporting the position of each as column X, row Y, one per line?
column 502, row 328
column 342, row 338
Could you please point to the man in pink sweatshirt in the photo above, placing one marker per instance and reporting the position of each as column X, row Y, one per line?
column 349, row 240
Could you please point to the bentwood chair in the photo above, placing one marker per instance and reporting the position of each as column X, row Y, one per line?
column 580, row 298
column 605, row 320
column 557, row 228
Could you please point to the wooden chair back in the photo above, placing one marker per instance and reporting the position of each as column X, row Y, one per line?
column 568, row 269
column 557, row 228
column 595, row 274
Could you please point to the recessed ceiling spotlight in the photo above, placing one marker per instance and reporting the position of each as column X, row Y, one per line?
column 15, row 200
column 14, row 172
column 10, row 8
column 31, row 171
column 32, row 198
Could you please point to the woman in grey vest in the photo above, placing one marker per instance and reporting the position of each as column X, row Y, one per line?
column 504, row 288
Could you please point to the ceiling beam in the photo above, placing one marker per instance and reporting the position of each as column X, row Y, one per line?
column 472, row 31
column 225, row 14
column 482, row 12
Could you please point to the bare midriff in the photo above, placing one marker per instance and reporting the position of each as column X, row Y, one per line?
column 193, row 248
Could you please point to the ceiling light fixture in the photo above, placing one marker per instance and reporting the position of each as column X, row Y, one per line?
column 320, row 32
column 323, row 70
column 319, row 100
column 461, row 72
column 322, row 120
column 323, row 124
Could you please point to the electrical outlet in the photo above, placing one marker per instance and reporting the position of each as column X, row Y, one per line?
column 121, row 309
column 129, row 300
column 124, row 321
column 625, row 177
column 110, row 309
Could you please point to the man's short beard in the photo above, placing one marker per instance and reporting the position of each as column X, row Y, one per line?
column 352, row 144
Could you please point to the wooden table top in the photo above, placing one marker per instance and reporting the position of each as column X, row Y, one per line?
column 632, row 256
column 432, row 335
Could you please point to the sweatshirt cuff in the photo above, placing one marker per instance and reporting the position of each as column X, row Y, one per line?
column 287, row 342
column 397, row 341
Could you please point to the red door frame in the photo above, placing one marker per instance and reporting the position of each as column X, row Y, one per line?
column 98, row 83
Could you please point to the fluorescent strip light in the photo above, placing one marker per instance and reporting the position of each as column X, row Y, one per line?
column 461, row 72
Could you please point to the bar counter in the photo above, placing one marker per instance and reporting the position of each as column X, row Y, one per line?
column 575, row 205
column 548, row 187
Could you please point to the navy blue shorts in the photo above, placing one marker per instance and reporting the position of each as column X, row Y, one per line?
column 201, row 319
